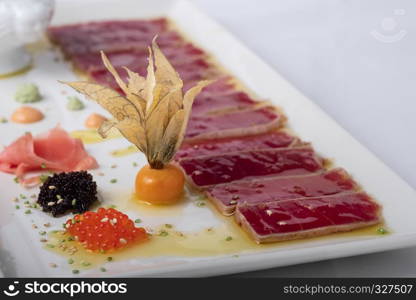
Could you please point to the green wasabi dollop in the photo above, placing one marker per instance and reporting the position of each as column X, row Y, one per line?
column 27, row 93
column 74, row 103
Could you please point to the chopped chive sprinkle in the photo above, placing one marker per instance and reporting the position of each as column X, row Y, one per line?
column 86, row 264
column 163, row 233
column 228, row 238
column 113, row 206
column 75, row 271
column 200, row 204
column 43, row 165
column 42, row 232
column 22, row 196
column 135, row 164
column 17, row 207
column 102, row 269
column 28, row 211
column 137, row 221
column 382, row 230
column 110, row 258
column 113, row 180
column 50, row 246
column 16, row 179
column 43, row 178
column 74, row 201
column 168, row 225
column 70, row 261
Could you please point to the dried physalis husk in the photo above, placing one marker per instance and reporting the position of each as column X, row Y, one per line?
column 153, row 113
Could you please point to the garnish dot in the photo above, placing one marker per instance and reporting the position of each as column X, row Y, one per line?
column 86, row 264
column 163, row 233
column 382, row 230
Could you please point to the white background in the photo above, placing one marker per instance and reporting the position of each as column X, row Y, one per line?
column 356, row 60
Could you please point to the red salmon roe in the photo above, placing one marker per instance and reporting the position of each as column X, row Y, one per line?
column 104, row 230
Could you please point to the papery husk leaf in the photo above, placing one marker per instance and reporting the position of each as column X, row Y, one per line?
column 156, row 124
column 105, row 128
column 136, row 86
column 133, row 132
column 167, row 82
column 113, row 72
column 118, row 106
column 165, row 74
column 171, row 136
column 149, row 94
column 188, row 100
column 134, row 98
column 136, row 83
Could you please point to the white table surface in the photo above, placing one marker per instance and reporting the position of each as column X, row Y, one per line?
column 356, row 60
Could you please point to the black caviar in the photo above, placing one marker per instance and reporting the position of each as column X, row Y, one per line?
column 72, row 191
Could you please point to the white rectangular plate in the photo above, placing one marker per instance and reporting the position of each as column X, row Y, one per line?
column 21, row 252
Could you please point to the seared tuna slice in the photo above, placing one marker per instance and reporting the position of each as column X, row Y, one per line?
column 269, row 140
column 226, row 196
column 307, row 217
column 210, row 102
column 239, row 123
column 215, row 169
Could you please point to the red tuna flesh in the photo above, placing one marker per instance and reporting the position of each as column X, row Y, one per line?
column 216, row 169
column 269, row 140
column 110, row 36
column 211, row 102
column 134, row 58
column 226, row 196
column 239, row 123
column 307, row 217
